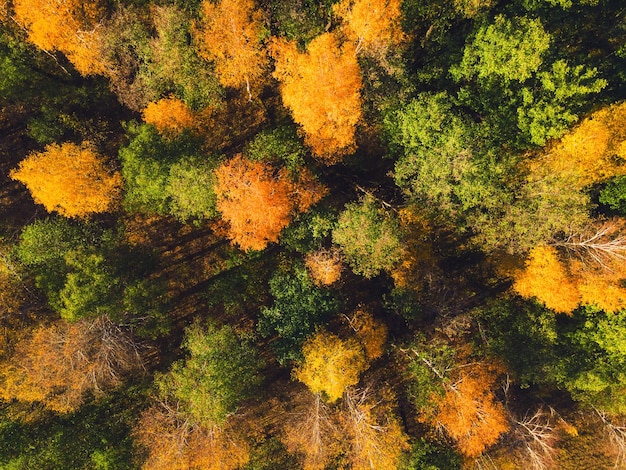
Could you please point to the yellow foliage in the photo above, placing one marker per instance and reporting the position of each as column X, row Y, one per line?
column 545, row 278
column 258, row 202
column 373, row 24
column 370, row 333
column 69, row 26
column 324, row 266
column 322, row 88
column 230, row 35
column 330, row 365
column 469, row 411
column 70, row 179
column 175, row 444
column 592, row 152
column 169, row 115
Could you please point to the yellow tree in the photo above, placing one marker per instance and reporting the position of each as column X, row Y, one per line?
column 257, row 202
column 230, row 35
column 330, row 365
column 371, row 334
column 592, row 152
column 545, row 278
column 69, row 26
column 322, row 88
column 373, row 24
column 169, row 115
column 70, row 179
column 325, row 266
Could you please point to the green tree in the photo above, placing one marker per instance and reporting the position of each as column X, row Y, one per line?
column 221, row 371
column 190, row 186
column 299, row 307
column 368, row 237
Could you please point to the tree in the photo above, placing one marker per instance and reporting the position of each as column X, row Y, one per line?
column 368, row 237
column 299, row 307
column 373, row 24
column 70, row 179
column 59, row 364
column 230, row 34
column 507, row 50
column 257, row 202
column 168, row 115
column 330, row 365
column 220, row 372
column 321, row 87
column 190, row 186
column 69, row 26
column 325, row 266
column 370, row 333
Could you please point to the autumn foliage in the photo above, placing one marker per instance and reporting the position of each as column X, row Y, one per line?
column 373, row 24
column 324, row 266
column 70, row 179
column 469, row 412
column 69, row 26
column 330, row 365
column 257, row 202
column 322, row 89
column 230, row 35
column 592, row 152
column 173, row 443
column 169, row 115
column 58, row 365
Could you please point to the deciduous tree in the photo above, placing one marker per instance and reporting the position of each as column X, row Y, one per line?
column 258, row 202
column 325, row 266
column 322, row 88
column 330, row 365
column 373, row 24
column 70, row 179
column 69, row 26
column 230, row 34
column 168, row 115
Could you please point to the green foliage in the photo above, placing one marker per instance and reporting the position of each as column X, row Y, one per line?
column 308, row 231
column 368, row 237
column 190, row 187
column 271, row 454
column 507, row 50
column 545, row 113
column 427, row 371
column 300, row 20
column 154, row 168
column 427, row 456
column 277, row 145
column 614, row 194
column 96, row 437
column 222, row 370
column 299, row 307
column 442, row 163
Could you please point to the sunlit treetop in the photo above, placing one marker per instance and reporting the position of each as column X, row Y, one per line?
column 69, row 26
column 70, row 179
column 169, row 115
column 322, row 89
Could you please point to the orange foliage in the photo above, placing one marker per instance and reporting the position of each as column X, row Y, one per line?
column 592, row 152
column 370, row 333
column 69, row 26
column 258, row 202
column 173, row 443
column 545, row 278
column 69, row 179
column 469, row 412
column 324, row 266
column 330, row 365
column 322, row 89
column 169, row 115
column 59, row 364
column 373, row 24
column 230, row 35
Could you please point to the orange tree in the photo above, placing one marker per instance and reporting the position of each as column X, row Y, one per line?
column 70, row 179
column 69, row 26
column 322, row 89
column 257, row 202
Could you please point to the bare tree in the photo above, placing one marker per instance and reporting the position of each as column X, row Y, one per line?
column 616, row 433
